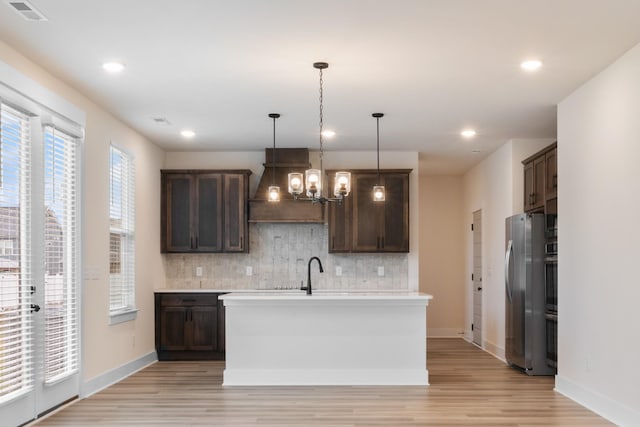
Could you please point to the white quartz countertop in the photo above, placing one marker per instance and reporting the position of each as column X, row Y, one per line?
column 325, row 295
column 295, row 292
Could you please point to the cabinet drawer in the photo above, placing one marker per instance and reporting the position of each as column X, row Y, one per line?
column 188, row 299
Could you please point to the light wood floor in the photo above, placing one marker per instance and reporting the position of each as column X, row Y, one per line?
column 468, row 388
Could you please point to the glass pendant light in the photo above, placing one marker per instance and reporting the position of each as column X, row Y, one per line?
column 274, row 190
column 378, row 190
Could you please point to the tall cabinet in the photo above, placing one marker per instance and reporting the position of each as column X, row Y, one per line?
column 204, row 210
column 541, row 195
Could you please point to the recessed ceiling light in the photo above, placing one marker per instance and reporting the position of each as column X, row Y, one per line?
column 468, row 133
column 328, row 133
column 113, row 67
column 188, row 133
column 531, row 65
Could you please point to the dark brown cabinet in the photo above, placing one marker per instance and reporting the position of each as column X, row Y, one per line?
column 362, row 225
column 551, row 180
column 189, row 326
column 204, row 211
column 540, row 179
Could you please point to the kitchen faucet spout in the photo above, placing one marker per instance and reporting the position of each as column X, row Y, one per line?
column 308, row 287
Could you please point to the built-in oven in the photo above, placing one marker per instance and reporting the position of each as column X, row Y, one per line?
column 551, row 264
column 552, row 339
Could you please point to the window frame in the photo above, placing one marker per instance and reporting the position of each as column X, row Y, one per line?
column 124, row 206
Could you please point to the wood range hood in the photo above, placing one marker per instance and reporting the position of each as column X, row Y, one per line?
column 287, row 160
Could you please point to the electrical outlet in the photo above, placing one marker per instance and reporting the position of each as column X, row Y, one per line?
column 249, row 270
column 338, row 270
column 198, row 271
column 381, row 270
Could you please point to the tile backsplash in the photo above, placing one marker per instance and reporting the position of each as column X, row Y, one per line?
column 278, row 257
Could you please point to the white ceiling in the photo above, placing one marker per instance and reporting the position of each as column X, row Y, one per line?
column 432, row 66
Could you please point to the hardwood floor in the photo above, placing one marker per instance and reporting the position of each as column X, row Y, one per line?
column 468, row 388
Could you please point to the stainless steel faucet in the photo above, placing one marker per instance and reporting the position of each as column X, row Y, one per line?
column 308, row 287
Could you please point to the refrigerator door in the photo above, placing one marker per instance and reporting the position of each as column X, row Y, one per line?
column 515, row 287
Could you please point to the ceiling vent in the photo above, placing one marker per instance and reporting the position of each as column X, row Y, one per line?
column 26, row 10
column 161, row 121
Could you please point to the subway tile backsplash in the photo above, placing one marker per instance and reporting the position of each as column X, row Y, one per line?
column 278, row 256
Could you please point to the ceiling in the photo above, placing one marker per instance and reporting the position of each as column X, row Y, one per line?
column 433, row 67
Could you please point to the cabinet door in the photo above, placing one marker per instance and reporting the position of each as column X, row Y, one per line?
column 221, row 327
column 538, row 182
column 177, row 233
column 208, row 221
column 203, row 328
column 528, row 186
column 396, row 214
column 235, row 210
column 339, row 219
column 368, row 215
column 173, row 323
column 551, row 187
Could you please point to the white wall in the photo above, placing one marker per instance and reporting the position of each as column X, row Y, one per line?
column 599, row 241
column 104, row 347
column 442, row 259
column 495, row 185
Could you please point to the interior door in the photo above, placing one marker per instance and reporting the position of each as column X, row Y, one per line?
column 477, row 277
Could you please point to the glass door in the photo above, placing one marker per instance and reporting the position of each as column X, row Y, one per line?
column 39, row 266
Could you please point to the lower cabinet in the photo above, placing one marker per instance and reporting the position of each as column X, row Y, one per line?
column 189, row 326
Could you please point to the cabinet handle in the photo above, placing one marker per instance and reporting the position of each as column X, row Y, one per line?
column 555, row 180
column 241, row 242
column 333, row 242
column 382, row 242
column 191, row 242
column 196, row 242
column 188, row 300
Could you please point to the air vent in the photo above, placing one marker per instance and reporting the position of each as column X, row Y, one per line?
column 26, row 10
column 161, row 121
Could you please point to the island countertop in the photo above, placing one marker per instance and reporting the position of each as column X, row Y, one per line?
column 322, row 295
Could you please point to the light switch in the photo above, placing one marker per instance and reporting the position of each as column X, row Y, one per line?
column 338, row 270
column 381, row 270
column 198, row 271
column 249, row 270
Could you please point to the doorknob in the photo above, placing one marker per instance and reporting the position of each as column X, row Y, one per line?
column 480, row 288
column 35, row 307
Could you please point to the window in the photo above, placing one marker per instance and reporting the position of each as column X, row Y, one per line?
column 60, row 252
column 122, row 236
column 16, row 340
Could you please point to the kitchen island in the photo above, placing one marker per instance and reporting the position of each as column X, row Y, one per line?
column 341, row 338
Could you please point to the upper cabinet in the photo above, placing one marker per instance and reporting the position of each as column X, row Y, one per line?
column 204, row 211
column 362, row 225
column 540, row 179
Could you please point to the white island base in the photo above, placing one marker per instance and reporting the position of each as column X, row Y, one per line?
column 326, row 339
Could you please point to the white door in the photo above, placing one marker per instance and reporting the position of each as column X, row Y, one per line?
column 39, row 266
column 477, row 277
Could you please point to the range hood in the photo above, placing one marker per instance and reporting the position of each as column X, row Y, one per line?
column 286, row 210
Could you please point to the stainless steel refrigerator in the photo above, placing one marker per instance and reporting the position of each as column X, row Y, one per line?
column 525, row 294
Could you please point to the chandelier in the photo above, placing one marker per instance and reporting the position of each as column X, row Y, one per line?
column 312, row 179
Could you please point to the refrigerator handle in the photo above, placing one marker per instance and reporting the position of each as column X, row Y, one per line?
column 507, row 261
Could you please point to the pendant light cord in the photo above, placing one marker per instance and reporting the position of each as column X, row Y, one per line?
column 273, row 157
column 321, row 124
column 378, row 145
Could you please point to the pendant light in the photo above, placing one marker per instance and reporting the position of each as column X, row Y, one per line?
column 378, row 190
column 313, row 177
column 274, row 190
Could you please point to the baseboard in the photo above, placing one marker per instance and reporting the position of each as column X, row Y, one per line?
column 324, row 377
column 602, row 405
column 494, row 350
column 444, row 333
column 111, row 377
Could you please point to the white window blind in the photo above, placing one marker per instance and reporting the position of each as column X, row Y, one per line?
column 122, row 232
column 60, row 254
column 16, row 346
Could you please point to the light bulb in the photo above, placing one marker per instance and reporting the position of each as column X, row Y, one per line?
column 274, row 193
